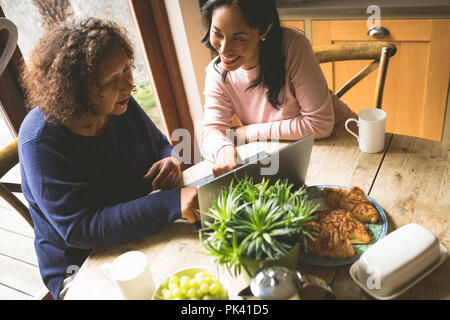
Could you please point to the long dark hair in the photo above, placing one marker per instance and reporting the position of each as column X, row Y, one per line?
column 258, row 14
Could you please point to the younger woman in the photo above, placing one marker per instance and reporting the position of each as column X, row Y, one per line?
column 264, row 74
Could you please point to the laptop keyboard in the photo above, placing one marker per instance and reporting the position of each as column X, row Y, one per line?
column 211, row 177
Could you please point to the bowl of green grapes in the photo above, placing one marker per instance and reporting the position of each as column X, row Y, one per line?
column 193, row 283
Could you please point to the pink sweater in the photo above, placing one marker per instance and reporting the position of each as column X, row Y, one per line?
column 308, row 105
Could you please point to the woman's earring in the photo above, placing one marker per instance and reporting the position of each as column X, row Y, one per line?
column 263, row 39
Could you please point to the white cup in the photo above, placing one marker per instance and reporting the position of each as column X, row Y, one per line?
column 10, row 44
column 131, row 272
column 372, row 127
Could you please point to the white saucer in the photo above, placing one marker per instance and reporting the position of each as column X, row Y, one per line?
column 354, row 275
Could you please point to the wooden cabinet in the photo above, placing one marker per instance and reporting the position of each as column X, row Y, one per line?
column 416, row 87
column 295, row 24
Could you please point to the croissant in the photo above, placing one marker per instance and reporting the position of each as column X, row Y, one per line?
column 354, row 200
column 346, row 224
column 329, row 243
column 335, row 231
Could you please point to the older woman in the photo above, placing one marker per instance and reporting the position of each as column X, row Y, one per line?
column 90, row 157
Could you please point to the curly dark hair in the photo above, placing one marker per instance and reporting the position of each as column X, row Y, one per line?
column 63, row 66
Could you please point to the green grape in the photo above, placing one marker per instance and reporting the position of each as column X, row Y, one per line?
column 193, row 283
column 172, row 285
column 214, row 288
column 200, row 276
column 192, row 293
column 167, row 295
column 208, row 279
column 202, row 285
column 222, row 293
column 174, row 279
column 184, row 282
column 204, row 288
column 183, row 291
column 175, row 292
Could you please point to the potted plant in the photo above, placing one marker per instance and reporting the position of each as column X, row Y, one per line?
column 252, row 225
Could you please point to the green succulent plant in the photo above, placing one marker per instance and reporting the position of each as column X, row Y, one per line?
column 256, row 222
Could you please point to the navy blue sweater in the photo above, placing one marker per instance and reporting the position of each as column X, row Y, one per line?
column 88, row 192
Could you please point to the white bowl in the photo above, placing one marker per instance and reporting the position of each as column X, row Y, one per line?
column 398, row 260
column 191, row 272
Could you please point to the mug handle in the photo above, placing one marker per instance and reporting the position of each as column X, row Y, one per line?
column 346, row 127
column 106, row 270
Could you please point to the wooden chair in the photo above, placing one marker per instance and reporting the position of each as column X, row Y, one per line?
column 8, row 159
column 9, row 156
column 379, row 52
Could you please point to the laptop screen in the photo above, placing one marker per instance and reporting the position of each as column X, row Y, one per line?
column 290, row 162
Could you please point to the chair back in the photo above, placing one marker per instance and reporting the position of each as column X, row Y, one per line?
column 9, row 155
column 379, row 52
column 10, row 44
column 8, row 159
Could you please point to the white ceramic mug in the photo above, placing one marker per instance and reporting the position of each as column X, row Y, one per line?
column 372, row 128
column 10, row 44
column 131, row 272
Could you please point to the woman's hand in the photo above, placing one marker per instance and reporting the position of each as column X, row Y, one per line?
column 189, row 204
column 241, row 134
column 168, row 174
column 226, row 161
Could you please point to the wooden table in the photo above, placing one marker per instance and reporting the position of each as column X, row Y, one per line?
column 410, row 180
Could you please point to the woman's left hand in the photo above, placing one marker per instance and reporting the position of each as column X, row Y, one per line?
column 168, row 174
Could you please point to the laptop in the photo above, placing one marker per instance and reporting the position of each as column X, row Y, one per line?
column 290, row 162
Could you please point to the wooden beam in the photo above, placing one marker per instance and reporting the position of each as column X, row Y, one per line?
column 152, row 25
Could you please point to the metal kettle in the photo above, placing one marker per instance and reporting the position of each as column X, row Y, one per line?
column 283, row 283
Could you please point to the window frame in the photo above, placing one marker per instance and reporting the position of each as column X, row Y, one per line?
column 152, row 26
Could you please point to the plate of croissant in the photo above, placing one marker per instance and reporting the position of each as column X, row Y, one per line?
column 347, row 223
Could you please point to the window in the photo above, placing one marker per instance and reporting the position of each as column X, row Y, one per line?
column 34, row 17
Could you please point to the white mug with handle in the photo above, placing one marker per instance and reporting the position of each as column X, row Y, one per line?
column 10, row 47
column 372, row 128
column 131, row 272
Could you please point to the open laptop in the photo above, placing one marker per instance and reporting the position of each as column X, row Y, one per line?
column 290, row 162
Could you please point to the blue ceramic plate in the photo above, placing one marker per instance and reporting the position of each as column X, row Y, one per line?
column 376, row 231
